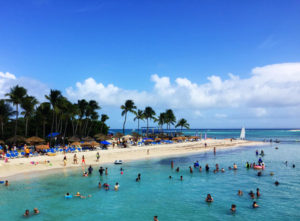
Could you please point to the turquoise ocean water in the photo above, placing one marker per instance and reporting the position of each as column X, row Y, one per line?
column 173, row 199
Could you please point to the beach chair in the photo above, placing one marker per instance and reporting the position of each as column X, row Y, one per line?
column 22, row 154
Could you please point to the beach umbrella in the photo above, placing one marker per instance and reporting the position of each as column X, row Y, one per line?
column 73, row 139
column 75, row 144
column 16, row 139
column 1, row 142
column 157, row 139
column 54, row 134
column 86, row 144
column 34, row 140
column 88, row 139
column 94, row 144
column 100, row 137
column 104, row 142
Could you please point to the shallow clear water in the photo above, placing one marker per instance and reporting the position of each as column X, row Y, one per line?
column 169, row 199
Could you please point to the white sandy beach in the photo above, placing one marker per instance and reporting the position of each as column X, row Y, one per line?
column 23, row 166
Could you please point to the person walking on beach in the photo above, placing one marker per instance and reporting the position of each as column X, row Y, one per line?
column 83, row 160
column 148, row 152
column 75, row 159
column 98, row 157
column 65, row 161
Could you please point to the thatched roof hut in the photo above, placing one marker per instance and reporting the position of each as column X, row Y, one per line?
column 73, row 139
column 34, row 140
column 75, row 144
column 42, row 147
column 16, row 139
column 2, row 142
column 88, row 139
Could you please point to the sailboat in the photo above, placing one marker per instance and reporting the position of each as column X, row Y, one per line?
column 243, row 134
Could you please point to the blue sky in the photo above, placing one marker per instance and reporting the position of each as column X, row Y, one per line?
column 55, row 44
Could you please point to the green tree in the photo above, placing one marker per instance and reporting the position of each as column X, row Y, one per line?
column 161, row 120
column 139, row 115
column 104, row 118
column 182, row 123
column 43, row 113
column 149, row 113
column 127, row 107
column 6, row 112
column 53, row 98
column 28, row 105
column 170, row 118
column 16, row 96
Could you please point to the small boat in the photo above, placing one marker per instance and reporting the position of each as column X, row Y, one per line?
column 118, row 162
column 243, row 134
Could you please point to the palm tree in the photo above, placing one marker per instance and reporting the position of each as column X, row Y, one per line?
column 149, row 113
column 82, row 107
column 92, row 107
column 170, row 118
column 161, row 120
column 139, row 115
column 127, row 107
column 16, row 96
column 6, row 112
column 53, row 98
column 43, row 113
column 28, row 105
column 104, row 118
column 182, row 123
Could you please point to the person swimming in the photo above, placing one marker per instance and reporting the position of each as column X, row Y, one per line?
column 6, row 183
column 191, row 169
column 85, row 174
column 170, row 177
column 276, row 183
column 139, row 176
column 36, row 211
column 209, row 199
column 200, row 168
column 77, row 194
column 256, row 152
column 222, row 170
column 117, row 187
column 255, row 205
column 99, row 185
column 233, row 208
column 251, row 194
column 206, row 167
column 234, row 166
column 177, row 169
column 294, row 166
column 26, row 214
column 259, row 173
column 217, row 167
column 106, row 186
column 240, row 193
column 247, row 165
column 181, row 178
column 257, row 192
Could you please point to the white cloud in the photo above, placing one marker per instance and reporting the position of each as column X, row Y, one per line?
column 34, row 87
column 270, row 86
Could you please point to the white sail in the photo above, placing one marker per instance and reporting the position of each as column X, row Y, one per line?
column 243, row 134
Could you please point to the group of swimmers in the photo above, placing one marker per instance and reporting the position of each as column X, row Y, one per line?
column 35, row 212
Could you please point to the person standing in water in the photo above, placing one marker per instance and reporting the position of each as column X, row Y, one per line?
column 117, row 187
column 106, row 171
column 90, row 169
column 215, row 150
column 101, row 171
column 155, row 218
column 65, row 161
column 191, row 169
column 172, row 164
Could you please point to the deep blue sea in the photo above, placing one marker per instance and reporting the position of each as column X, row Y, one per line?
column 170, row 199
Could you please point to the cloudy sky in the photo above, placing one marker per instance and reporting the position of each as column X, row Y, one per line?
column 218, row 64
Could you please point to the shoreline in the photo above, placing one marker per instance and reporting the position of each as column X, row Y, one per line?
column 21, row 168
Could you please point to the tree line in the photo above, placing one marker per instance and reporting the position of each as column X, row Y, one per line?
column 22, row 114
column 165, row 118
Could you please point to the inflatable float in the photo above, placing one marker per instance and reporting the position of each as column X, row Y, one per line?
column 257, row 167
column 118, row 162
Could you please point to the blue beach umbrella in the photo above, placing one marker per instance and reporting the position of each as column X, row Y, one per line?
column 54, row 134
column 105, row 142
